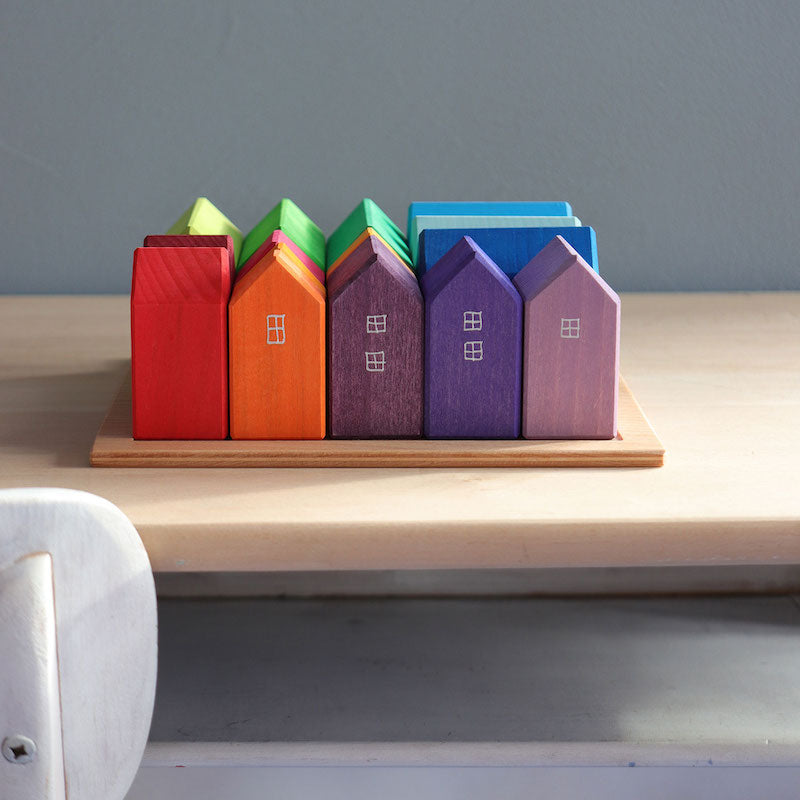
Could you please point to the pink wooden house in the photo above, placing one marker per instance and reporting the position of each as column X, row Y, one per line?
column 570, row 362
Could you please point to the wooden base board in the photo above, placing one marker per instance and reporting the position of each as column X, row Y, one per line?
column 636, row 445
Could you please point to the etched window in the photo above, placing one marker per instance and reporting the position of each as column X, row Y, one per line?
column 473, row 351
column 376, row 323
column 376, row 362
column 276, row 332
column 473, row 320
column 570, row 328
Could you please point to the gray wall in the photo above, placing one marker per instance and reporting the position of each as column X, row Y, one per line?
column 672, row 128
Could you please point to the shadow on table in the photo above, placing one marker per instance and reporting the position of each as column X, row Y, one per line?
column 57, row 414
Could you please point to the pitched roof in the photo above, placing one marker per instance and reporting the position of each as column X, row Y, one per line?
column 280, row 254
column 371, row 250
column 367, row 214
column 295, row 223
column 549, row 264
column 463, row 253
column 203, row 217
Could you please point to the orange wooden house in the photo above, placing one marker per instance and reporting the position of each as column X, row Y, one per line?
column 276, row 341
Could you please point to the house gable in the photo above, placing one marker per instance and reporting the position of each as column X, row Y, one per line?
column 288, row 217
column 371, row 250
column 363, row 236
column 297, row 255
column 204, row 218
column 367, row 214
column 550, row 264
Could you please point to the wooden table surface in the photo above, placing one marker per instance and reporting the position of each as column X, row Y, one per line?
column 717, row 374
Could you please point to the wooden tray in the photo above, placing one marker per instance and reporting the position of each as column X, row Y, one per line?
column 636, row 445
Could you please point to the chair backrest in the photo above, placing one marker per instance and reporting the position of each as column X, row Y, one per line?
column 78, row 646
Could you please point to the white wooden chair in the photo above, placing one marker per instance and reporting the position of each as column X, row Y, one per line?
column 78, row 647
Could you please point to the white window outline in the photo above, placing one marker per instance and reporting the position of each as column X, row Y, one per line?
column 376, row 360
column 376, row 323
column 473, row 351
column 570, row 328
column 276, row 328
column 473, row 320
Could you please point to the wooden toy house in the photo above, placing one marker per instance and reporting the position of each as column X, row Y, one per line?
column 276, row 331
column 179, row 351
column 362, row 237
column 203, row 218
column 510, row 248
column 471, row 211
column 352, row 232
column 279, row 237
column 571, row 347
column 375, row 346
column 196, row 240
column 423, row 222
column 296, row 226
column 473, row 344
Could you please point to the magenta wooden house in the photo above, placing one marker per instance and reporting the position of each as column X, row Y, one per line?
column 473, row 347
column 375, row 346
column 570, row 374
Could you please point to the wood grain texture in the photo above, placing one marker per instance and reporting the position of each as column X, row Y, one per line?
column 179, row 334
column 276, row 327
column 473, row 347
column 367, row 214
column 375, row 346
column 63, row 359
column 204, row 218
column 295, row 223
column 424, row 221
column 478, row 208
column 362, row 237
column 571, row 348
column 279, row 237
column 510, row 248
column 636, row 445
column 186, row 240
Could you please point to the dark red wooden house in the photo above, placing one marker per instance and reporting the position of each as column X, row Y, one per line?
column 179, row 337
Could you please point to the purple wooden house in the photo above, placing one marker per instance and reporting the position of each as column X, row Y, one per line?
column 473, row 347
column 375, row 346
column 570, row 373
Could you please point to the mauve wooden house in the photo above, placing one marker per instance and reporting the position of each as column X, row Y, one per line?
column 473, row 347
column 375, row 346
column 571, row 347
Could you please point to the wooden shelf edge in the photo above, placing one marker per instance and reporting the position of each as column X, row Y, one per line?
column 487, row 754
column 636, row 446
